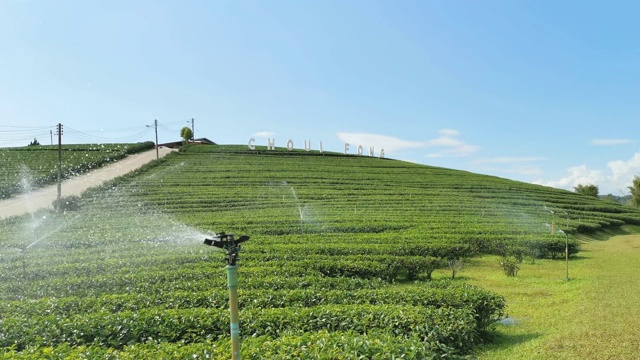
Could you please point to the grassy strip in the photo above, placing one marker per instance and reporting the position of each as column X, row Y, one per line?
column 593, row 316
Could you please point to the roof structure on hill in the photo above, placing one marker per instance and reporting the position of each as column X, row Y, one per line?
column 177, row 144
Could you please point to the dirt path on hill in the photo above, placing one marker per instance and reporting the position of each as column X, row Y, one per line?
column 44, row 197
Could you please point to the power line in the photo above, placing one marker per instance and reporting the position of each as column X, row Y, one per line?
column 16, row 134
column 22, row 141
column 22, row 130
column 133, row 128
column 27, row 127
column 133, row 137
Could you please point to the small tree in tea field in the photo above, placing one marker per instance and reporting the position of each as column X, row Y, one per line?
column 635, row 191
column 457, row 257
column 432, row 264
column 591, row 190
column 510, row 265
column 186, row 134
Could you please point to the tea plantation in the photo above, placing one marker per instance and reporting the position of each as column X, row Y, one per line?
column 338, row 266
column 26, row 168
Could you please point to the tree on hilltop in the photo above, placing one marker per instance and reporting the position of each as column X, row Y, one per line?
column 186, row 134
column 635, row 191
column 34, row 142
column 591, row 190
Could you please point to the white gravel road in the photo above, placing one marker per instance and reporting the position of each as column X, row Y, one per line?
column 44, row 197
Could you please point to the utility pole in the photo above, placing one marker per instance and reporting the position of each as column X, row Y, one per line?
column 51, row 133
column 59, row 133
column 156, row 124
column 193, row 129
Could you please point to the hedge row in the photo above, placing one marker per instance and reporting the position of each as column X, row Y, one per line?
column 441, row 327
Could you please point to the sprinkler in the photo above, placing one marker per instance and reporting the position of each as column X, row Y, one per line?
column 229, row 243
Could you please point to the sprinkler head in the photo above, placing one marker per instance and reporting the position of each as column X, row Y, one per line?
column 227, row 242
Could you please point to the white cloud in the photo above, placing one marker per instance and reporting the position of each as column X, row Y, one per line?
column 622, row 172
column 577, row 175
column 449, row 132
column 614, row 181
column 447, row 144
column 609, row 142
column 451, row 147
column 264, row 134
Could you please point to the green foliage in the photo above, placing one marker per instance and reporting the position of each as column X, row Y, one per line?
column 347, row 345
column 68, row 203
column 556, row 247
column 431, row 264
column 510, row 265
column 186, row 134
column 635, row 191
column 34, row 142
column 589, row 190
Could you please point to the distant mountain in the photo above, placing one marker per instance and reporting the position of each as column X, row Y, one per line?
column 624, row 200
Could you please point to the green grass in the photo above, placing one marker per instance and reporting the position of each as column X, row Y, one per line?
column 593, row 316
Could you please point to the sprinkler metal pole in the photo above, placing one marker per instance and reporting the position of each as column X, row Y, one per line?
column 566, row 252
column 566, row 246
column 232, row 284
column 227, row 242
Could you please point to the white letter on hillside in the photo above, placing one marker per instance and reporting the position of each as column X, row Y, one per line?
column 360, row 149
column 271, row 143
column 346, row 148
column 371, row 152
column 290, row 145
column 321, row 147
column 307, row 145
column 381, row 153
column 251, row 141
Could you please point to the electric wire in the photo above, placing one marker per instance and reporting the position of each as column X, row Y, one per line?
column 15, row 134
column 24, row 129
column 83, row 135
column 24, row 137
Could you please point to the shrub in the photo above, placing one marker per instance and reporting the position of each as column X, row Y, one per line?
column 510, row 265
column 69, row 203
column 556, row 247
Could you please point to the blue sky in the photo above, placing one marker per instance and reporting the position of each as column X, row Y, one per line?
column 536, row 91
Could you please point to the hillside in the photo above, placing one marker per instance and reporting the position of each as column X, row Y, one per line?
column 340, row 252
column 334, row 193
column 31, row 167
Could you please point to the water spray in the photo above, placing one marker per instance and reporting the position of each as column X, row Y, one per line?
column 229, row 243
column 564, row 232
column 553, row 218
